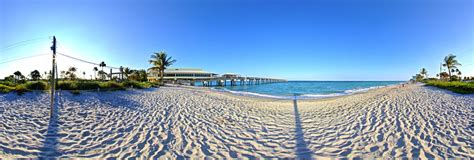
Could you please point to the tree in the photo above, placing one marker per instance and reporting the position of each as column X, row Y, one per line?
column 95, row 70
column 451, row 63
column 102, row 75
column 9, row 78
column 424, row 73
column 102, row 65
column 35, row 75
column 133, row 76
column 444, row 75
column 17, row 75
column 126, row 71
column 418, row 77
column 142, row 75
column 71, row 73
column 459, row 72
column 84, row 75
column 160, row 62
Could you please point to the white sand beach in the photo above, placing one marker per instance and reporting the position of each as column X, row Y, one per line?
column 392, row 122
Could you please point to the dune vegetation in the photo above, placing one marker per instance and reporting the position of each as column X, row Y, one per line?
column 73, row 85
column 69, row 79
column 455, row 86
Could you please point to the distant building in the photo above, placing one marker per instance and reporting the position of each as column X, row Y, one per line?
column 185, row 75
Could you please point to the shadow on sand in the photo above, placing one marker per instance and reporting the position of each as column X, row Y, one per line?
column 49, row 150
column 302, row 150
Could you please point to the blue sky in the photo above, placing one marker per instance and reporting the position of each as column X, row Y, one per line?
column 296, row 40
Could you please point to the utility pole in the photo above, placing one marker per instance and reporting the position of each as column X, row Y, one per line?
column 53, row 77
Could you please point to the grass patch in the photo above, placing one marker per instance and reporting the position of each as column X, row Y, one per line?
column 458, row 87
column 6, row 89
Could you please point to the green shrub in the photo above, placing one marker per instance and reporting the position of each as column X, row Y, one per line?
column 67, row 85
column 136, row 84
column 111, row 85
column 6, row 89
column 458, row 87
column 20, row 89
column 88, row 85
column 37, row 85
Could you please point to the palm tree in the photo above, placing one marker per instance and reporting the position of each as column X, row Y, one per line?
column 160, row 62
column 451, row 62
column 102, row 75
column 102, row 64
column 126, row 71
column 424, row 73
column 71, row 72
column 459, row 72
column 95, row 70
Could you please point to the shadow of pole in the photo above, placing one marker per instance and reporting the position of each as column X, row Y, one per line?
column 49, row 150
column 302, row 150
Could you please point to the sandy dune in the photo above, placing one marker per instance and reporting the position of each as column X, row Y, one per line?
column 413, row 121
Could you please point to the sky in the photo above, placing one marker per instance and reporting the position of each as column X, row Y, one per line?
column 293, row 39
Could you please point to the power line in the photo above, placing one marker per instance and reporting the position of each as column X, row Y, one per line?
column 82, row 60
column 23, row 43
column 85, row 61
column 17, row 59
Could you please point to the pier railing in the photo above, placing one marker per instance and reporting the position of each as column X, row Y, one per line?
column 235, row 81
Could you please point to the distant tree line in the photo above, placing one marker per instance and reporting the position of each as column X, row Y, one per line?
column 452, row 74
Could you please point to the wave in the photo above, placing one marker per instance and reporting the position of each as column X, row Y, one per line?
column 244, row 93
column 302, row 96
column 318, row 96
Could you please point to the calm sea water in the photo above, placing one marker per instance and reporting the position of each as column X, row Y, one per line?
column 307, row 89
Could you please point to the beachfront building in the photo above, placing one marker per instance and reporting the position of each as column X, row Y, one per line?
column 181, row 75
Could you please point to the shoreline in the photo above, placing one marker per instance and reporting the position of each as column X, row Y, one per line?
column 256, row 96
column 303, row 96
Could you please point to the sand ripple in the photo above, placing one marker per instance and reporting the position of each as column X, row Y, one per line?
column 413, row 122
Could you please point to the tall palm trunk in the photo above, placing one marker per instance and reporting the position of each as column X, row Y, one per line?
column 161, row 76
column 449, row 71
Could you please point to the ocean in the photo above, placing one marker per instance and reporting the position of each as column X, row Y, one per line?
column 306, row 89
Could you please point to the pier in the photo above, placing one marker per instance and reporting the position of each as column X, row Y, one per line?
column 193, row 76
column 235, row 81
